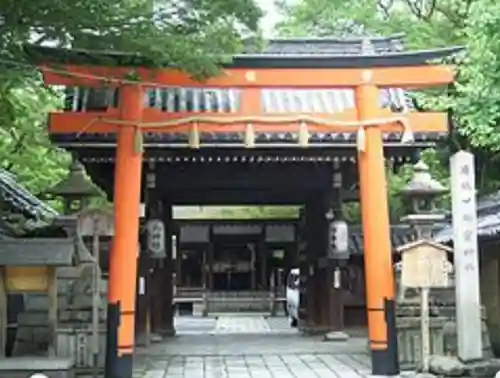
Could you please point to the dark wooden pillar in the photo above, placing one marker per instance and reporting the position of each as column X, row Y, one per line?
column 303, row 265
column 211, row 257
column 320, row 251
column 253, row 273
column 335, row 291
column 142, row 302
column 263, row 255
column 335, row 298
column 167, row 321
column 146, row 290
column 313, row 233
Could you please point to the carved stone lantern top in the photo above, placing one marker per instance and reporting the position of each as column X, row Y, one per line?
column 75, row 185
column 422, row 183
column 422, row 191
column 420, row 196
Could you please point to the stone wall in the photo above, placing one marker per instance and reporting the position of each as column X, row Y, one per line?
column 443, row 332
column 442, row 311
column 490, row 291
column 74, row 318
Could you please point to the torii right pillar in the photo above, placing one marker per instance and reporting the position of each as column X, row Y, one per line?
column 379, row 275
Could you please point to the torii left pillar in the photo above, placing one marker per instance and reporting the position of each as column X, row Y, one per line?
column 125, row 250
column 377, row 245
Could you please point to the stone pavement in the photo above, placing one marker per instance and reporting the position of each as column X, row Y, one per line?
column 276, row 365
column 249, row 347
column 234, row 324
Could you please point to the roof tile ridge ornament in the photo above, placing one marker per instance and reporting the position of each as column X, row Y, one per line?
column 332, row 39
column 367, row 47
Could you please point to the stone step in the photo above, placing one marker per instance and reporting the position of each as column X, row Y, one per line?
column 40, row 302
column 22, row 367
column 41, row 318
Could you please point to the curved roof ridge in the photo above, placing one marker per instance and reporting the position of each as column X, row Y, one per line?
column 20, row 198
column 333, row 39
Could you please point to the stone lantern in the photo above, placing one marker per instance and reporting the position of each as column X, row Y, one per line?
column 420, row 196
column 424, row 267
column 75, row 189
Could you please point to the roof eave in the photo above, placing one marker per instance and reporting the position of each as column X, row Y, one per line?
column 50, row 55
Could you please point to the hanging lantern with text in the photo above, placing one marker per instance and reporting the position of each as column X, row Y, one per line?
column 339, row 240
column 156, row 238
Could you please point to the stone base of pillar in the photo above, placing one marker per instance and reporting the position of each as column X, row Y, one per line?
column 336, row 336
column 167, row 332
column 314, row 330
column 142, row 339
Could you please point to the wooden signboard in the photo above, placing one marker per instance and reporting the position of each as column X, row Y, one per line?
column 34, row 279
column 424, row 264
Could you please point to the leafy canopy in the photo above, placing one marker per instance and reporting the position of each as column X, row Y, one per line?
column 425, row 24
column 193, row 34
column 196, row 35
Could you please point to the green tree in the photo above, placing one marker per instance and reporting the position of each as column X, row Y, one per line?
column 196, row 35
column 474, row 100
column 25, row 148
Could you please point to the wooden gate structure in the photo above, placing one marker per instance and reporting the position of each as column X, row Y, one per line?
column 278, row 127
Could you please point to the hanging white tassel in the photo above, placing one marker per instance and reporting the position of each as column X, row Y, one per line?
column 249, row 136
column 360, row 139
column 303, row 135
column 138, row 141
column 407, row 137
column 194, row 136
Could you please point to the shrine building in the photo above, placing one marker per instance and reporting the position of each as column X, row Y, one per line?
column 306, row 122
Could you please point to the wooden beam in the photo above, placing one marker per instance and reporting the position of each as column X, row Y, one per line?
column 399, row 77
column 102, row 122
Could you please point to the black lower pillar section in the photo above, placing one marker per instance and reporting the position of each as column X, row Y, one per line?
column 116, row 366
column 385, row 362
column 123, row 367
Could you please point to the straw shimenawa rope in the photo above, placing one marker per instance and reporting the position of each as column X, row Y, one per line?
column 250, row 121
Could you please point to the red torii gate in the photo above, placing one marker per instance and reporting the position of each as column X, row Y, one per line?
column 364, row 74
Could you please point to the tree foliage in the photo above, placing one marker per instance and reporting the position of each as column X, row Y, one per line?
column 196, row 35
column 193, row 34
column 25, row 148
column 474, row 101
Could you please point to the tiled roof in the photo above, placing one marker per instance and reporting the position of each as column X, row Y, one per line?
column 400, row 235
column 488, row 219
column 335, row 46
column 273, row 100
column 21, row 200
